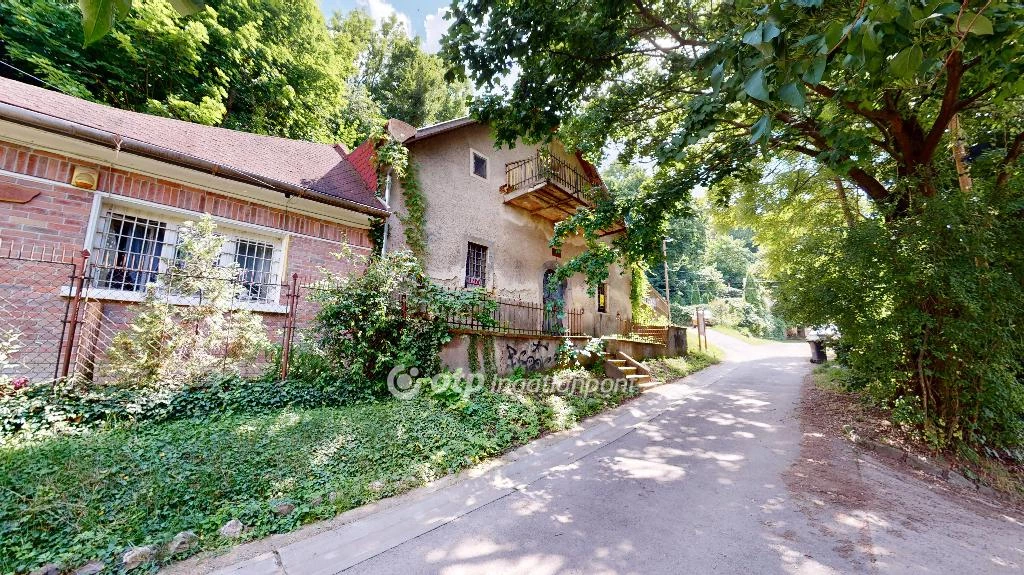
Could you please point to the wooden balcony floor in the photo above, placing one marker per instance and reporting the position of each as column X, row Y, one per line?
column 546, row 200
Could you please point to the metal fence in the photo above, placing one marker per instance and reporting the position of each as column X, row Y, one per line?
column 520, row 318
column 61, row 314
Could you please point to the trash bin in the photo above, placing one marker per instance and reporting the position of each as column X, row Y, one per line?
column 817, row 351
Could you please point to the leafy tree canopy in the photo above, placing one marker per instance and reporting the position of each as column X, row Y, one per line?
column 268, row 67
column 867, row 89
column 396, row 74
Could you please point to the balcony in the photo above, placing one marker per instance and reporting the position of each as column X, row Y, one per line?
column 546, row 186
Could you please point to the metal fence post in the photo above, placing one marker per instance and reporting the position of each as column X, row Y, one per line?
column 289, row 325
column 76, row 302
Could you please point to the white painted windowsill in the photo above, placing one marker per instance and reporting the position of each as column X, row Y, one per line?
column 113, row 295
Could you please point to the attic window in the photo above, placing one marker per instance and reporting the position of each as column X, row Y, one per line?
column 479, row 164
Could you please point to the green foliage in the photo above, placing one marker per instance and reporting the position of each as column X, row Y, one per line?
column 98, row 16
column 390, row 315
column 671, row 368
column 928, row 310
column 174, row 346
column 263, row 66
column 414, row 221
column 400, row 79
column 75, row 499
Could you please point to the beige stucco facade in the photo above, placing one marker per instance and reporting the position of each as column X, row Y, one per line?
column 463, row 207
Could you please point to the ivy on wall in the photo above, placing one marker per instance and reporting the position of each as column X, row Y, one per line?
column 638, row 288
column 482, row 346
column 377, row 235
column 415, row 219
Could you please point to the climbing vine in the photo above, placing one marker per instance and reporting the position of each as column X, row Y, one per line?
column 490, row 358
column 474, row 357
column 638, row 288
column 377, row 235
column 415, row 219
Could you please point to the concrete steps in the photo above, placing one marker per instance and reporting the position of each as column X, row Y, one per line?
column 624, row 367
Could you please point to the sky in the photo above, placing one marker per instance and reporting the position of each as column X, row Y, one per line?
column 423, row 18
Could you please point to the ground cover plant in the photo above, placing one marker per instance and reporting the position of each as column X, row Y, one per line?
column 71, row 499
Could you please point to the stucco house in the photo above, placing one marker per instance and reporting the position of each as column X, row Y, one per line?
column 491, row 213
column 490, row 217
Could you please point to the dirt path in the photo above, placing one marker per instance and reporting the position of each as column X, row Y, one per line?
column 890, row 518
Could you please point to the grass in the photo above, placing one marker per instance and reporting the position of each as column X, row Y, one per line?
column 670, row 368
column 72, row 499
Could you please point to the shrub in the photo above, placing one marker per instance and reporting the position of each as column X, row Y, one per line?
column 391, row 315
column 173, row 346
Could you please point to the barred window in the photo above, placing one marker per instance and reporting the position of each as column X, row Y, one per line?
column 479, row 165
column 130, row 248
column 602, row 297
column 256, row 263
column 133, row 248
column 476, row 265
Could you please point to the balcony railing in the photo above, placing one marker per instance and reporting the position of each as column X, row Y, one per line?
column 546, row 168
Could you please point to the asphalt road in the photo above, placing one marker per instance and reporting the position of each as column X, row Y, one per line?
column 694, row 477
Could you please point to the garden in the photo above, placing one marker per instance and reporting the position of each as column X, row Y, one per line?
column 177, row 452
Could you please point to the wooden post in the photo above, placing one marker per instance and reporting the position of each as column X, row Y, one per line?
column 289, row 325
column 76, row 302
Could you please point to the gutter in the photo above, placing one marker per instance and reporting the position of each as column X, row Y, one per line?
column 138, row 147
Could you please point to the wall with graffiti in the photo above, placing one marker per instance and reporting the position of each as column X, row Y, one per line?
column 530, row 354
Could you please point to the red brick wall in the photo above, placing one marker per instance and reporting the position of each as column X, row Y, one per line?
column 56, row 222
column 59, row 216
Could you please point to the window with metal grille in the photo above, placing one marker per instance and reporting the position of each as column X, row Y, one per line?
column 256, row 268
column 602, row 297
column 130, row 248
column 479, row 165
column 476, row 265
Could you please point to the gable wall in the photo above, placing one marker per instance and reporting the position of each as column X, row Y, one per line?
column 463, row 208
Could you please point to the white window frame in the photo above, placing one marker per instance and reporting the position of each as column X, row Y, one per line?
column 472, row 162
column 173, row 218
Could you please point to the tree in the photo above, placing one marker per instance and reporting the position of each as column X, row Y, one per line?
column 394, row 72
column 894, row 98
column 98, row 16
column 265, row 66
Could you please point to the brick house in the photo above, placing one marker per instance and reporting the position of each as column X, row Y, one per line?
column 76, row 174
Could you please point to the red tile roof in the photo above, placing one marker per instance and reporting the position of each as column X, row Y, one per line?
column 319, row 167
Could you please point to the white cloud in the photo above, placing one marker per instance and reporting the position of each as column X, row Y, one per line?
column 381, row 10
column 435, row 25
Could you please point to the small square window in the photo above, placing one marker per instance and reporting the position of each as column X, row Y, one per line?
column 476, row 265
column 556, row 252
column 602, row 297
column 479, row 165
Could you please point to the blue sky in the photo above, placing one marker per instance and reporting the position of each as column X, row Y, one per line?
column 422, row 18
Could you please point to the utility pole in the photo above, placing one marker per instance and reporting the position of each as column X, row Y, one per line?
column 668, row 292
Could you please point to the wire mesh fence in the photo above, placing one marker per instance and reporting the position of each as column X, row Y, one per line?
column 33, row 321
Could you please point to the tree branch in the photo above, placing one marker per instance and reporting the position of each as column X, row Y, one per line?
column 653, row 18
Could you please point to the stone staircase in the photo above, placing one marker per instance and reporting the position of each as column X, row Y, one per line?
column 624, row 367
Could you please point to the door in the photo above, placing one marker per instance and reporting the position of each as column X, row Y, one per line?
column 554, row 304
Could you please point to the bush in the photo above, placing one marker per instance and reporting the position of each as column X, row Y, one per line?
column 391, row 315
column 929, row 309
column 173, row 346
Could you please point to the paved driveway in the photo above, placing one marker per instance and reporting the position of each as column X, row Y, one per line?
column 690, row 478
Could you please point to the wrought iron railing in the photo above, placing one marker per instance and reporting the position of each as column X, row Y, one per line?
column 519, row 317
column 547, row 168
